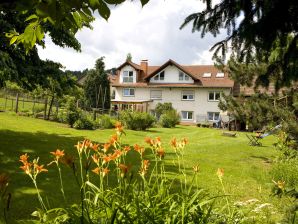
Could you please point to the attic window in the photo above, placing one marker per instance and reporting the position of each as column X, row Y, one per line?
column 127, row 76
column 160, row 76
column 183, row 76
column 220, row 75
column 207, row 75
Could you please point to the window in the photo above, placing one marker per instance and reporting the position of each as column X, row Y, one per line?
column 128, row 92
column 220, row 75
column 213, row 116
column 183, row 76
column 156, row 94
column 207, row 75
column 187, row 115
column 128, row 76
column 188, row 95
column 214, row 96
column 160, row 76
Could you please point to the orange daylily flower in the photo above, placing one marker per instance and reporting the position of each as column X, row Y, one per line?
column 139, row 149
column 95, row 158
column 161, row 153
column 158, row 140
column 96, row 171
column 105, row 172
column 95, row 147
column 119, row 127
column 149, row 141
column 144, row 168
column 124, row 169
column 106, row 147
column 107, row 158
column 24, row 158
column 174, row 142
column 39, row 168
column 114, row 138
column 185, row 141
column 26, row 167
column 196, row 168
column 220, row 172
column 58, row 154
column 79, row 147
column 126, row 148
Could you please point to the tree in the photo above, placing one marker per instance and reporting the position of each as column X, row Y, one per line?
column 52, row 16
column 97, row 86
column 128, row 57
column 259, row 32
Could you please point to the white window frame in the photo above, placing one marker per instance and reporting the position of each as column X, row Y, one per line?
column 207, row 75
column 152, row 95
column 129, row 90
column 160, row 76
column 213, row 116
column 188, row 94
column 220, row 75
column 127, row 76
column 187, row 115
column 214, row 96
column 183, row 77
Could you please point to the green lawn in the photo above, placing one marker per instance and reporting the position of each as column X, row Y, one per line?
column 246, row 168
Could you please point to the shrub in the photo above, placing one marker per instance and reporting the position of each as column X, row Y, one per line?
column 72, row 112
column 136, row 120
column 169, row 119
column 106, row 122
column 84, row 123
column 162, row 108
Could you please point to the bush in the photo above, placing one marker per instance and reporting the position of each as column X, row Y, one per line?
column 84, row 123
column 169, row 119
column 162, row 108
column 72, row 112
column 136, row 120
column 106, row 122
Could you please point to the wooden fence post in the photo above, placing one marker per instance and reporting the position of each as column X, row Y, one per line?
column 45, row 108
column 5, row 103
column 17, row 103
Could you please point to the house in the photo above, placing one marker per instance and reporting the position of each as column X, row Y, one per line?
column 193, row 90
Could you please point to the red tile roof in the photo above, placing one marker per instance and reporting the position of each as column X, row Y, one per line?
column 195, row 71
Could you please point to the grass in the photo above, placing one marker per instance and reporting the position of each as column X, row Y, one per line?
column 246, row 168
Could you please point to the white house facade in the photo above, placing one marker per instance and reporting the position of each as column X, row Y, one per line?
column 194, row 91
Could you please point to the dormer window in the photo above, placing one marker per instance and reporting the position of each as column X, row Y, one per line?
column 207, row 75
column 160, row 76
column 183, row 76
column 220, row 75
column 128, row 76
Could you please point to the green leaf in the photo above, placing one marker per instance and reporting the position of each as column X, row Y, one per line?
column 39, row 33
column 35, row 17
column 94, row 4
column 77, row 19
column 114, row 2
column 144, row 2
column 104, row 10
column 13, row 39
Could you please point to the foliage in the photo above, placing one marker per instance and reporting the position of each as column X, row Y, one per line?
column 169, row 119
column 84, row 123
column 161, row 108
column 136, row 120
column 261, row 110
column 72, row 112
column 106, row 122
column 263, row 33
column 138, row 195
column 97, row 86
column 53, row 17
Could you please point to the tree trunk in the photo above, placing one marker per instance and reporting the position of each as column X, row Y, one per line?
column 50, row 107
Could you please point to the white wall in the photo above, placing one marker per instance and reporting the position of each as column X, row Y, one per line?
column 128, row 68
column 171, row 76
column 200, row 105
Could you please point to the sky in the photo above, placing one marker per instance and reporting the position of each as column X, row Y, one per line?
column 150, row 33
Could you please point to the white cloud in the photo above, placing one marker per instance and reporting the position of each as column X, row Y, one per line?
column 149, row 33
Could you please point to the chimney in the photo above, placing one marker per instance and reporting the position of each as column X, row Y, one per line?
column 144, row 66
